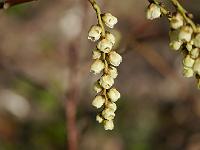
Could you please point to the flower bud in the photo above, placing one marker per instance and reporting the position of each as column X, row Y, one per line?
column 185, row 33
column 194, row 53
column 112, row 71
column 97, row 87
column 98, row 101
column 108, row 114
column 96, row 54
column 110, row 37
column 153, row 11
column 176, row 45
column 112, row 106
column 105, row 46
column 109, row 20
column 106, row 81
column 113, row 94
column 94, row 33
column 196, row 66
column 188, row 72
column 114, row 58
column 188, row 61
column 189, row 46
column 176, row 21
column 108, row 125
column 99, row 119
column 197, row 40
column 97, row 66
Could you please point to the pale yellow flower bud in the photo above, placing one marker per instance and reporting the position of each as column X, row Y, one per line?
column 176, row 21
column 114, row 58
column 94, row 33
column 176, row 45
column 108, row 125
column 188, row 61
column 188, row 72
column 109, row 20
column 110, row 37
column 196, row 66
column 96, row 54
column 112, row 71
column 106, row 81
column 153, row 11
column 98, row 101
column 194, row 53
column 185, row 33
column 108, row 114
column 113, row 94
column 99, row 119
column 197, row 40
column 97, row 66
column 105, row 45
column 189, row 46
column 112, row 105
column 97, row 87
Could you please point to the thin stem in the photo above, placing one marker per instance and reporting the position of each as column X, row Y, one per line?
column 184, row 14
column 13, row 2
column 98, row 12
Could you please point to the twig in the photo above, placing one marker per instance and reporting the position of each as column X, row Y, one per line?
column 8, row 3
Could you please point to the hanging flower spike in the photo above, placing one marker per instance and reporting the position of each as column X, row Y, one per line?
column 105, row 61
column 184, row 35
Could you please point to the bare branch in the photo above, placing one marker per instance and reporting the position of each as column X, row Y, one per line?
column 8, row 3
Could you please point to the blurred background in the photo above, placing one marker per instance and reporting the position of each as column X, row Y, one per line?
column 46, row 87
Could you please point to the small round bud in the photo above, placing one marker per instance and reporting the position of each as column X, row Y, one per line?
column 176, row 45
column 97, row 87
column 197, row 40
column 176, row 21
column 112, row 106
column 188, row 61
column 98, row 101
column 109, row 20
column 106, row 81
column 105, row 46
column 94, row 33
column 153, row 11
column 196, row 66
column 188, row 72
column 194, row 53
column 99, row 119
column 189, row 46
column 112, row 71
column 113, row 94
column 108, row 114
column 97, row 66
column 96, row 54
column 185, row 33
column 108, row 125
column 110, row 37
column 114, row 58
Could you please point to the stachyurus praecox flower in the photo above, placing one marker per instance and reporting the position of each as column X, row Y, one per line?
column 105, row 62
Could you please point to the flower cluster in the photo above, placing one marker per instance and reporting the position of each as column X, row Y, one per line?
column 105, row 62
column 184, row 37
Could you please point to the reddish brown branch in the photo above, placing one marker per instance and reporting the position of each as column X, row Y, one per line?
column 13, row 2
